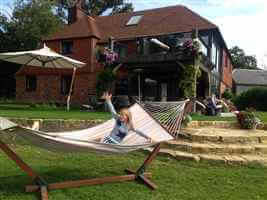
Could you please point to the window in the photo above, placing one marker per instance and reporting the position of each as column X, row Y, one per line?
column 215, row 56
column 65, row 84
column 215, row 83
column 134, row 20
column 66, row 47
column 205, row 39
column 121, row 50
column 31, row 83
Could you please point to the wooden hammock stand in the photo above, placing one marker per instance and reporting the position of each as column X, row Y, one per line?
column 41, row 185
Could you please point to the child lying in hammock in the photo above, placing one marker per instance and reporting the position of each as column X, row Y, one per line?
column 123, row 123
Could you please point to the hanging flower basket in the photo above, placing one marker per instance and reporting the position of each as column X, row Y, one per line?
column 191, row 48
column 106, row 56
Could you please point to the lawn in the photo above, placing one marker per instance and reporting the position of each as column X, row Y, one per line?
column 48, row 112
column 183, row 180
column 52, row 112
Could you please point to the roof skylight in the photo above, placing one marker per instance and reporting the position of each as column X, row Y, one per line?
column 134, row 20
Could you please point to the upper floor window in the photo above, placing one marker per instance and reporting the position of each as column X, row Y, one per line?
column 31, row 83
column 134, row 20
column 215, row 56
column 205, row 39
column 121, row 50
column 65, row 84
column 67, row 47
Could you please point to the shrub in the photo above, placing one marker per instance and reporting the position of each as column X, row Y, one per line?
column 186, row 120
column 104, row 82
column 227, row 94
column 254, row 98
column 247, row 119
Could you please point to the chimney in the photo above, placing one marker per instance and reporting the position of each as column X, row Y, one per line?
column 75, row 13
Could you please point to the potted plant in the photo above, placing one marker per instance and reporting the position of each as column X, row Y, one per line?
column 247, row 119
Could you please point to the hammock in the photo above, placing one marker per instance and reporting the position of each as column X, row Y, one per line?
column 158, row 120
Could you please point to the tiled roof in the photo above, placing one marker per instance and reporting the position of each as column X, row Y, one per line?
column 84, row 27
column 160, row 21
column 250, row 77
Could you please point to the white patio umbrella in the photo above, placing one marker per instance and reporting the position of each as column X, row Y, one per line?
column 44, row 57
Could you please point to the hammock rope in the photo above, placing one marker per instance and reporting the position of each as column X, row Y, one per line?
column 168, row 114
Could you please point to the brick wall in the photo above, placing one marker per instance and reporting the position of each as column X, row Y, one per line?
column 227, row 72
column 49, row 80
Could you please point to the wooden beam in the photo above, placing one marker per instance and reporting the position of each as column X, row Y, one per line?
column 44, row 193
column 13, row 156
column 144, row 179
column 147, row 182
column 86, row 182
column 152, row 155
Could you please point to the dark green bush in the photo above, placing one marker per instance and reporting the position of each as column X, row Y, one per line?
column 104, row 81
column 227, row 94
column 253, row 98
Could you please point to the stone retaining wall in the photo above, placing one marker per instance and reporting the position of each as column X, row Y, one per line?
column 56, row 125
column 219, row 124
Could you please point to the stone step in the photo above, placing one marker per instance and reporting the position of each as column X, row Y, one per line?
column 225, row 159
column 220, row 124
column 213, row 148
column 226, row 136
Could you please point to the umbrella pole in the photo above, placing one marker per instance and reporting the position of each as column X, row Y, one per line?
column 70, row 91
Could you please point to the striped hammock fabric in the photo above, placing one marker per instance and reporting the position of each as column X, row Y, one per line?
column 86, row 140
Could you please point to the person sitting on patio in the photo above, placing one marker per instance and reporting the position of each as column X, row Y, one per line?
column 213, row 108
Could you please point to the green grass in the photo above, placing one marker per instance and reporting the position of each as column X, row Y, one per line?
column 48, row 112
column 183, row 180
column 14, row 110
column 212, row 118
column 262, row 116
column 197, row 117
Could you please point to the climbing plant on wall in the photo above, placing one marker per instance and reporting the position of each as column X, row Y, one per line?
column 106, row 78
column 191, row 71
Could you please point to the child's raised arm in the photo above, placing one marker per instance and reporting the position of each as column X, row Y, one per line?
column 111, row 108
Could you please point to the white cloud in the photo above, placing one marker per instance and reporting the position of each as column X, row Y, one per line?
column 150, row 4
column 247, row 32
column 236, row 3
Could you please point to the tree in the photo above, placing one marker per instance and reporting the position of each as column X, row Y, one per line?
column 242, row 61
column 95, row 7
column 99, row 7
column 31, row 20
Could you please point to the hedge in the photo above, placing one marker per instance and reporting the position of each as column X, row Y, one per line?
column 253, row 98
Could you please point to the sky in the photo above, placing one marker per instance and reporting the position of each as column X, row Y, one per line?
column 241, row 22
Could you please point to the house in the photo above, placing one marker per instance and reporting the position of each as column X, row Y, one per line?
column 146, row 67
column 245, row 79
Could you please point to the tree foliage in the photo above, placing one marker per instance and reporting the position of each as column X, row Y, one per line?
column 95, row 7
column 109, row 7
column 30, row 21
column 242, row 61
